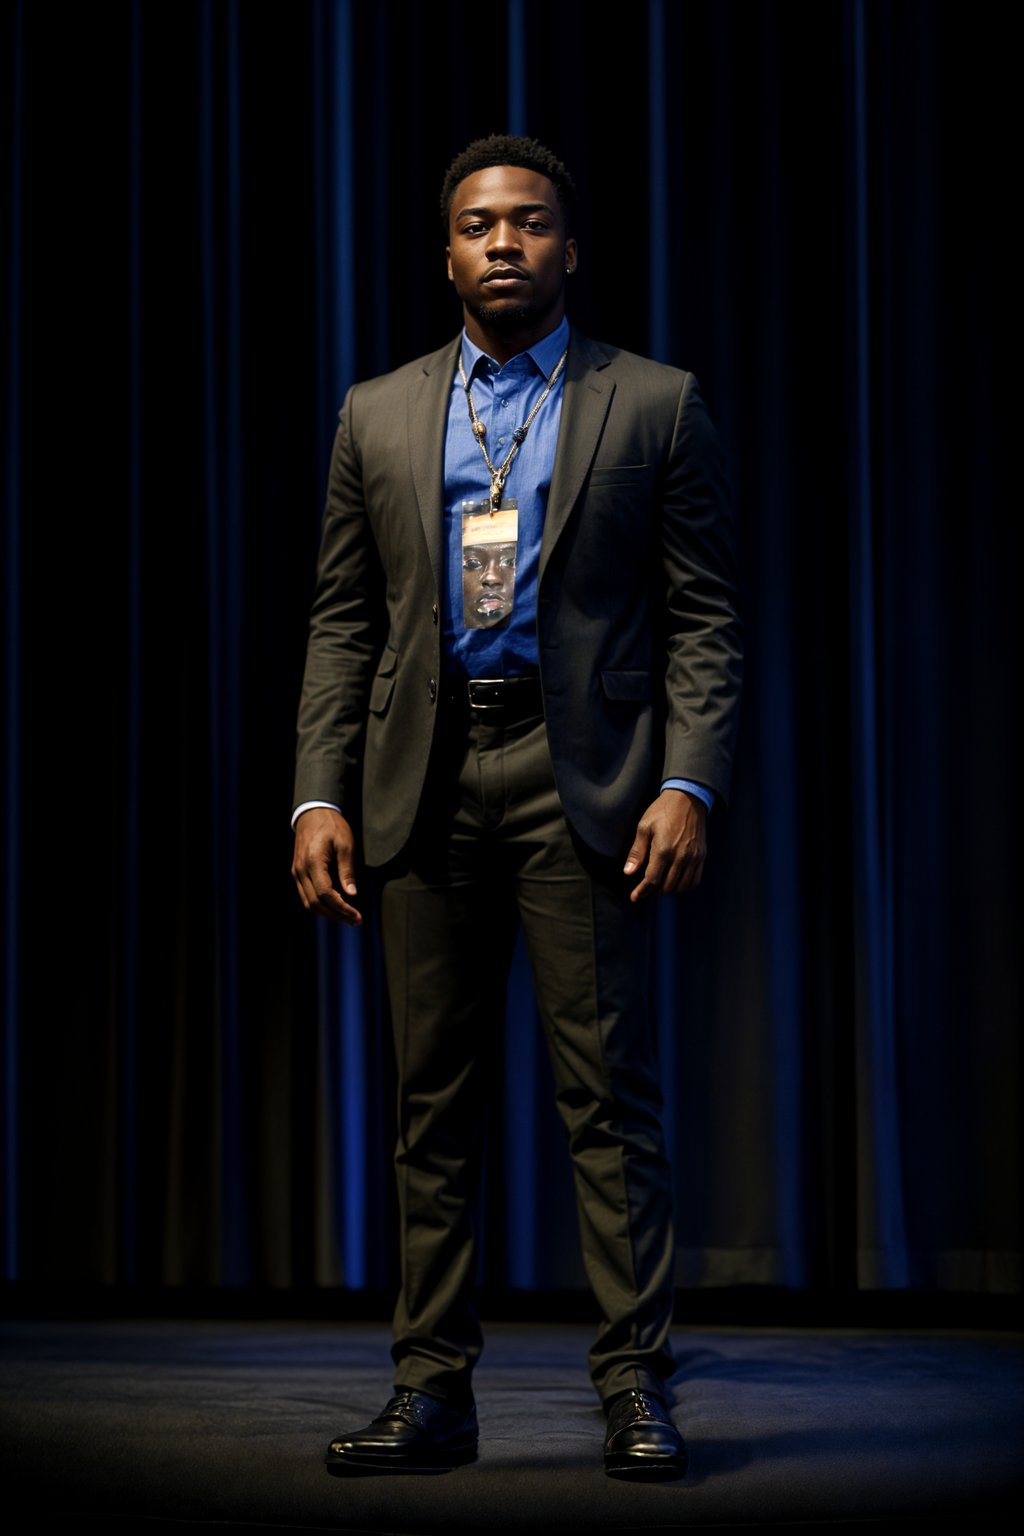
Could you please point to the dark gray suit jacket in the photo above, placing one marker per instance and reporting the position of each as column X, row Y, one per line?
column 638, row 633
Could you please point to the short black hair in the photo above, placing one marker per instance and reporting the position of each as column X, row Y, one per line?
column 508, row 149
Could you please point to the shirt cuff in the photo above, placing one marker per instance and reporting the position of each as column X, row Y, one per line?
column 700, row 790
column 310, row 805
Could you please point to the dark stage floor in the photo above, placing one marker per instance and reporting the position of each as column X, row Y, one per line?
column 196, row 1423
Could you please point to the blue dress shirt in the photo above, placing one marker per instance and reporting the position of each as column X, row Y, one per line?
column 503, row 396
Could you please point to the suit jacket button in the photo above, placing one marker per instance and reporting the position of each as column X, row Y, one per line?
column 432, row 689
column 433, row 613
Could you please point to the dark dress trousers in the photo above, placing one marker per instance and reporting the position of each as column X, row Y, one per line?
column 474, row 822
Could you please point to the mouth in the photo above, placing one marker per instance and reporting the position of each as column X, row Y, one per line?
column 504, row 277
column 490, row 607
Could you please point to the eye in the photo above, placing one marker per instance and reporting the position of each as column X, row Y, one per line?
column 476, row 228
column 471, row 563
column 535, row 225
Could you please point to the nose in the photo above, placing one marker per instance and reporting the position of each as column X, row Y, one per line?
column 492, row 576
column 504, row 236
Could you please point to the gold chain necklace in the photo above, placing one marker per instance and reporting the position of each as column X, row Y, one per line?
column 518, row 436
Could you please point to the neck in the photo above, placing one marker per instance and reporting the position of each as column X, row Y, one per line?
column 503, row 344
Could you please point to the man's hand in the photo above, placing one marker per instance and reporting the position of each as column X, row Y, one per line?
column 324, row 844
column 671, row 839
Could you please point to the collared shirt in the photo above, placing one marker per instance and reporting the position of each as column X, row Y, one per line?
column 503, row 396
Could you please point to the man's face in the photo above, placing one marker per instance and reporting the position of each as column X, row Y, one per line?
column 508, row 248
column 488, row 580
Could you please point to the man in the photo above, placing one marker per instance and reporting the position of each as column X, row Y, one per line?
column 553, row 767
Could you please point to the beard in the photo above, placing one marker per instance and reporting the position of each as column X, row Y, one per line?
column 499, row 319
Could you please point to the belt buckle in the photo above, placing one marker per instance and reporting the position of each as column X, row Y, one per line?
column 497, row 684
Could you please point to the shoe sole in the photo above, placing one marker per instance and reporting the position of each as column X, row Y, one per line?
column 646, row 1468
column 457, row 1456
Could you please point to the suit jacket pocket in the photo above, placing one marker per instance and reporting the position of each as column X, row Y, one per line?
column 384, row 682
column 628, row 476
column 627, row 687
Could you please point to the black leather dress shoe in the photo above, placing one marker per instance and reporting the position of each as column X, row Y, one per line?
column 642, row 1441
column 415, row 1433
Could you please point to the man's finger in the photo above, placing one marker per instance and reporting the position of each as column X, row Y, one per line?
column 331, row 904
column 317, row 893
column 322, row 898
column 685, row 872
column 347, row 875
column 690, row 873
column 638, row 853
column 651, row 883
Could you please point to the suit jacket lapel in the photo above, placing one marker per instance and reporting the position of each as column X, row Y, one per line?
column 588, row 394
column 428, row 409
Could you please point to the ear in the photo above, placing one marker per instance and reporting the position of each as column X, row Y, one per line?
column 571, row 257
column 448, row 259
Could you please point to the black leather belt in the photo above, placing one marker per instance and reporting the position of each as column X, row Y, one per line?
column 496, row 699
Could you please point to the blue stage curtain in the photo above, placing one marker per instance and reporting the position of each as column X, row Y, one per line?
column 218, row 217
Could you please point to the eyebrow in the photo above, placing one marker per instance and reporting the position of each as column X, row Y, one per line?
column 519, row 208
